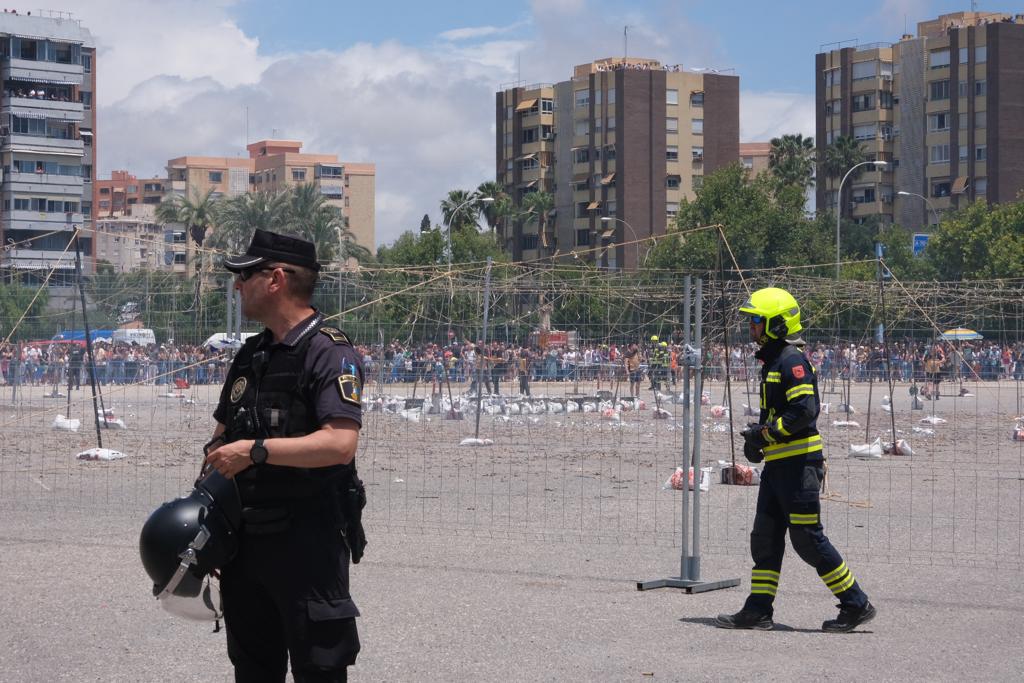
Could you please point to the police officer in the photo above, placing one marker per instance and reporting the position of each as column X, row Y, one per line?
column 787, row 439
column 288, row 425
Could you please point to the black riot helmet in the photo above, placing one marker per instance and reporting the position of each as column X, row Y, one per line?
column 187, row 538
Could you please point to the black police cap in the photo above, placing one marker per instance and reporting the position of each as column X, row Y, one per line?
column 270, row 247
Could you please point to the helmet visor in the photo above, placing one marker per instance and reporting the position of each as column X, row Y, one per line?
column 756, row 319
column 205, row 606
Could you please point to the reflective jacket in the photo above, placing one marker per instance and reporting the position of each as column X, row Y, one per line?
column 789, row 403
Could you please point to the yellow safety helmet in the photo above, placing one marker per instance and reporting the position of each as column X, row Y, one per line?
column 654, row 337
column 780, row 311
column 665, row 344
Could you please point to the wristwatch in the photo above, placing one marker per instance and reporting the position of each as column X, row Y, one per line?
column 258, row 453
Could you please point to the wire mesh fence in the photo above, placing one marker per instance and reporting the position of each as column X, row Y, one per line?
column 568, row 451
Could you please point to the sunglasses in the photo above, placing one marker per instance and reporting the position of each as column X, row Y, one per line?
column 244, row 275
column 756, row 319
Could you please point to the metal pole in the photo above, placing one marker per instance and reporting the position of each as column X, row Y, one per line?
column 684, row 569
column 230, row 301
column 698, row 386
column 483, row 346
column 88, row 345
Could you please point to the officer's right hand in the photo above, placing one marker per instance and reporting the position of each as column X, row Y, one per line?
column 752, row 452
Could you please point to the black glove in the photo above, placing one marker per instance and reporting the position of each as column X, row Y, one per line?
column 752, row 453
column 753, row 442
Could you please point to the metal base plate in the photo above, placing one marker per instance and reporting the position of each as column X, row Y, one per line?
column 687, row 585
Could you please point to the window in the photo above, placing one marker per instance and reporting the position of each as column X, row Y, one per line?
column 697, row 153
column 581, row 209
column 671, row 96
column 885, row 99
column 611, row 123
column 87, row 172
column 179, row 257
column 529, row 164
column 583, row 237
column 961, row 89
column 22, row 204
column 672, row 153
column 866, row 132
column 862, row 70
column 530, row 134
column 547, row 105
column 609, row 153
column 962, row 152
column 298, row 174
column 963, row 55
column 672, row 182
column 582, row 99
column 87, row 209
column 863, row 195
column 597, row 124
column 530, row 241
column 597, row 98
column 178, row 237
column 546, row 132
column 508, row 113
column 508, row 138
column 833, row 77
column 980, row 152
column 980, row 88
column 216, row 176
column 938, row 90
column 671, row 208
column 698, row 182
column 104, row 190
column 697, row 126
column 612, row 207
column 611, row 95
column 939, row 154
column 24, row 126
column 833, row 107
column 748, row 162
column 696, row 99
column 132, row 189
column 885, row 69
column 863, row 102
column 938, row 59
column 86, row 99
column 938, row 121
column 581, row 155
column 941, row 188
column 582, row 127
column 962, row 121
column 980, row 54
column 87, row 63
column 672, row 125
column 981, row 119
column 981, row 186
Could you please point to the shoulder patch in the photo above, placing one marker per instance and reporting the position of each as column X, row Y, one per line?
column 350, row 389
column 798, row 371
column 336, row 335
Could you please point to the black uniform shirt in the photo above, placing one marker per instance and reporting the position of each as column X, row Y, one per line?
column 330, row 366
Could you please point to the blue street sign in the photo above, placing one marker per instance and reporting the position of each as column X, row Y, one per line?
column 920, row 242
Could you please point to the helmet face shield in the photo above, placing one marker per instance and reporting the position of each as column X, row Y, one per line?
column 205, row 605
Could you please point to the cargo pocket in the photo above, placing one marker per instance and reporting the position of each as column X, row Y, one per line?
column 805, row 508
column 332, row 640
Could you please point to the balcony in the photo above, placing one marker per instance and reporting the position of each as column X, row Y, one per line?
column 42, row 72
column 38, row 259
column 41, row 220
column 33, row 107
column 50, row 183
column 40, row 144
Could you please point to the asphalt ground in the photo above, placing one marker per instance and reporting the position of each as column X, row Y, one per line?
column 77, row 606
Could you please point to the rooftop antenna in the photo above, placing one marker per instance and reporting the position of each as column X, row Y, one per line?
column 625, row 43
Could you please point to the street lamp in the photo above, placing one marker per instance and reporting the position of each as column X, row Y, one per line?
column 636, row 240
column 839, row 203
column 455, row 212
column 935, row 214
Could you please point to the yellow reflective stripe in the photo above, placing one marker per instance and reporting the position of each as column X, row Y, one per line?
column 803, row 519
column 799, row 390
column 782, row 430
column 803, row 392
column 774, row 375
column 767, row 573
column 834, row 574
column 774, row 380
column 845, row 585
column 810, row 444
column 763, row 588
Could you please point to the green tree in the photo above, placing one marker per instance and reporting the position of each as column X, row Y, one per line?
column 979, row 242
column 537, row 207
column 197, row 213
column 791, row 160
column 844, row 153
column 16, row 301
column 459, row 210
column 425, row 223
column 240, row 216
column 492, row 211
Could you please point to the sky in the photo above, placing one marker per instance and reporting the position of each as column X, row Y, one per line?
column 410, row 86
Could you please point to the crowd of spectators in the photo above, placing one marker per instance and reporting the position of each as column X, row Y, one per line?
column 459, row 362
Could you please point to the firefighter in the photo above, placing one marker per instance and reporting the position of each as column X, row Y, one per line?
column 788, row 441
column 658, row 362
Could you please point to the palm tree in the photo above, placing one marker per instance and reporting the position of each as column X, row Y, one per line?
column 791, row 160
column 843, row 154
column 238, row 217
column 308, row 214
column 460, row 202
column 197, row 215
column 490, row 210
column 536, row 207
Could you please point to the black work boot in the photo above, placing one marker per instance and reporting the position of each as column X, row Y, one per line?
column 747, row 619
column 849, row 618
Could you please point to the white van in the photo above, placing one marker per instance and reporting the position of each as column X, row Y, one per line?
column 140, row 336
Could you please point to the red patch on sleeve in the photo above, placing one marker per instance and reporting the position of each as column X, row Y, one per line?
column 798, row 371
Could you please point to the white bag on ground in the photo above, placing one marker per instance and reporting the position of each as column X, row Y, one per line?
column 872, row 451
column 676, row 480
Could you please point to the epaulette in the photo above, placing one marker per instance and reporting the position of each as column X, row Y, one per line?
column 336, row 335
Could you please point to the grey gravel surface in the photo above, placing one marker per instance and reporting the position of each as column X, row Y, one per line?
column 77, row 606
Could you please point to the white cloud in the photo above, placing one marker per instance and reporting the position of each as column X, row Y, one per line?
column 764, row 115
column 471, row 32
